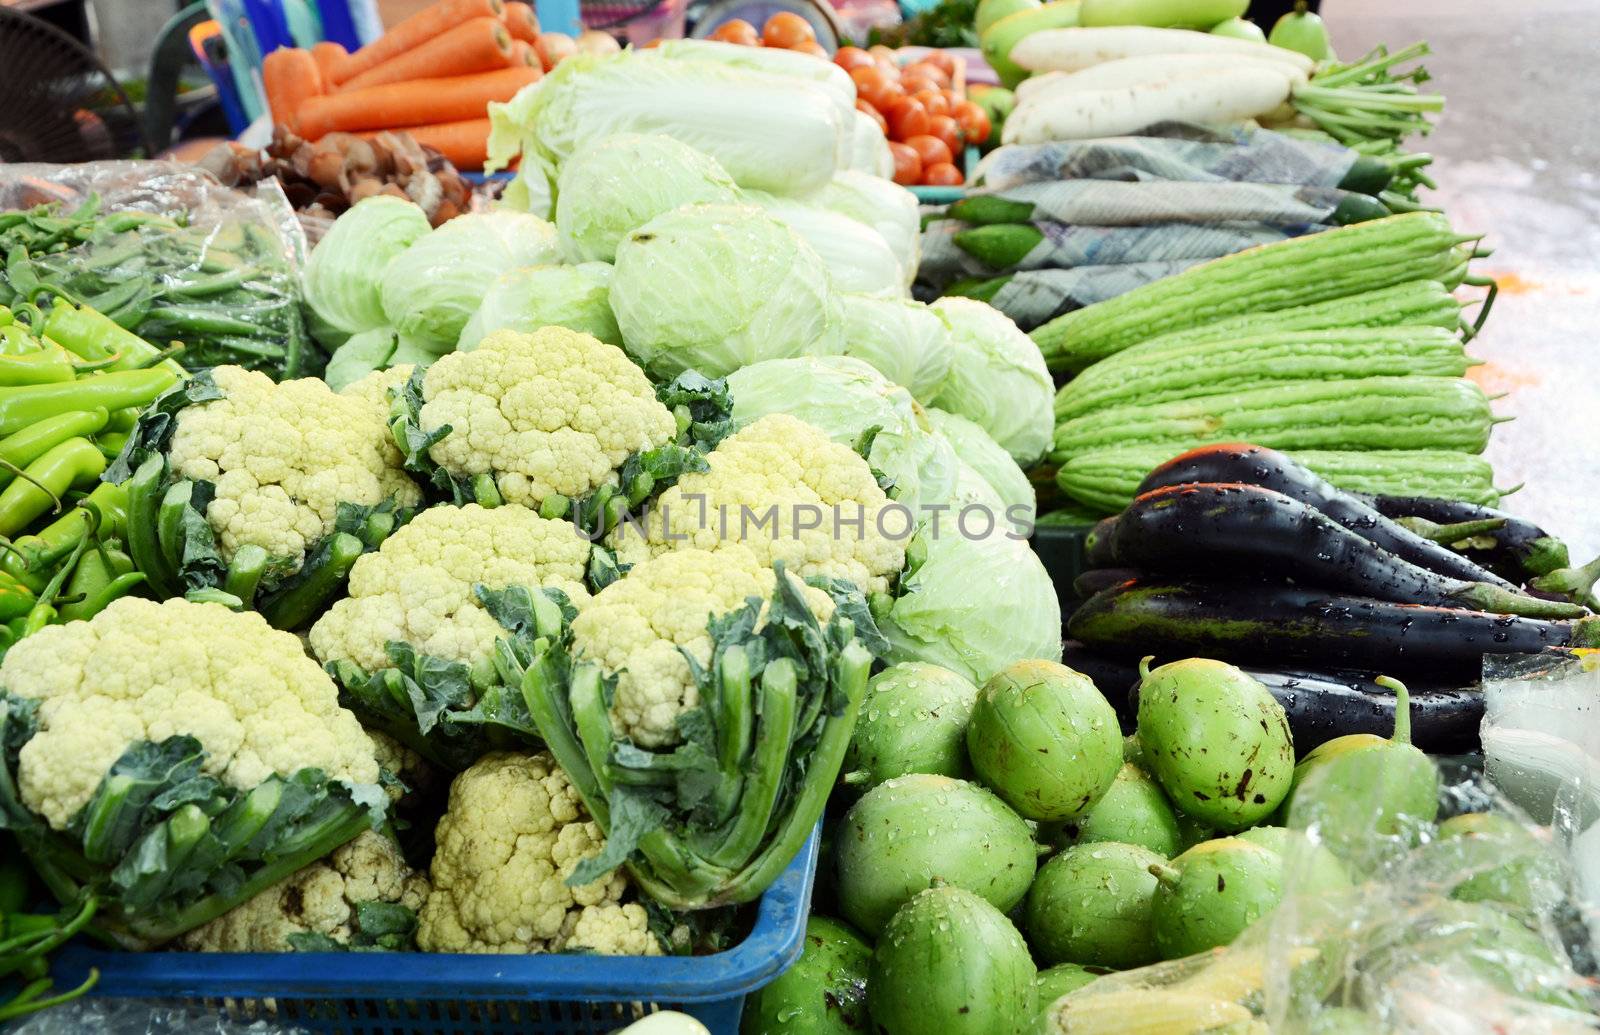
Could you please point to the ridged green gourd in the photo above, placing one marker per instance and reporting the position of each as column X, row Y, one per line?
column 1337, row 263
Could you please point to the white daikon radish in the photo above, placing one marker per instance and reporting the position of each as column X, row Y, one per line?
column 1207, row 97
column 1071, row 50
column 1147, row 71
column 1036, row 84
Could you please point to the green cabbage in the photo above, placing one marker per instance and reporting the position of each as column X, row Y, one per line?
column 342, row 276
column 847, row 399
column 825, row 75
column 869, row 148
column 717, row 287
column 432, row 289
column 618, row 184
column 857, row 256
column 360, row 356
column 907, row 342
column 998, row 379
column 883, row 205
column 992, row 463
column 973, row 604
column 575, row 297
column 770, row 132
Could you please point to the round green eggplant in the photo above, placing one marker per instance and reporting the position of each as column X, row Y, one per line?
column 949, row 963
column 1302, row 31
column 1133, row 811
column 1216, row 740
column 907, row 833
column 912, row 720
column 1208, row 895
column 1498, row 860
column 823, row 993
column 1061, row 979
column 1091, row 905
column 1044, row 739
column 1308, row 868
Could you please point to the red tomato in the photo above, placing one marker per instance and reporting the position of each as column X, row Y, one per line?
column 974, row 121
column 884, row 56
column 907, row 164
column 930, row 71
column 918, row 83
column 951, row 98
column 942, row 174
column 787, row 30
column 948, row 130
column 874, row 114
column 811, row 47
column 930, row 149
column 942, row 60
column 875, row 86
column 738, row 31
column 850, row 58
column 934, row 101
column 907, row 118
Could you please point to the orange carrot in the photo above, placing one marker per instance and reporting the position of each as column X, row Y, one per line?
column 524, row 54
column 479, row 45
column 415, row 103
column 290, row 76
column 521, row 22
column 465, row 143
column 427, row 24
column 329, row 57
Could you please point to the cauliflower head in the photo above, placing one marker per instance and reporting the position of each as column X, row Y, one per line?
column 418, row 587
column 514, row 829
column 374, row 390
column 784, row 490
column 552, row 413
column 320, row 899
column 282, row 458
column 143, row 671
column 640, row 628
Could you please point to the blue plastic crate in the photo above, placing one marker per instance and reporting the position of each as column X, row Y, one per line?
column 949, row 195
column 450, row 994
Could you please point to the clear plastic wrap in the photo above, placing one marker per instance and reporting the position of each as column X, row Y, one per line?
column 167, row 252
column 1483, row 925
column 142, row 1017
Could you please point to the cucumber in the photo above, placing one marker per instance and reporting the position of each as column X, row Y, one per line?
column 1001, row 245
column 988, row 208
column 1367, row 175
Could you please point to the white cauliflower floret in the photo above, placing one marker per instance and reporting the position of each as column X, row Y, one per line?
column 282, row 458
column 320, row 899
column 552, row 413
column 640, row 627
column 513, row 831
column 418, row 587
column 783, row 489
column 374, row 390
column 146, row 671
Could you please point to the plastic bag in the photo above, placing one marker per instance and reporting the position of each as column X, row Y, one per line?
column 1491, row 931
column 141, row 1017
column 167, row 252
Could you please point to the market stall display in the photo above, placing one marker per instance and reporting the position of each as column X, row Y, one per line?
column 647, row 578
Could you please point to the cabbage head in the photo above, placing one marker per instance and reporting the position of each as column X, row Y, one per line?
column 714, row 288
column 869, row 148
column 574, row 297
column 360, row 356
column 880, row 203
column 992, row 463
column 906, row 341
column 857, row 256
column 998, row 379
column 770, row 132
column 432, row 289
column 617, row 184
column 825, row 75
column 342, row 277
column 972, row 604
column 850, row 402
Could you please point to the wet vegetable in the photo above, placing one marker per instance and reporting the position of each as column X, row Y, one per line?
column 1061, row 979
column 1517, row 550
column 1507, row 863
column 1044, row 739
column 1308, row 867
column 823, row 993
column 1216, row 740
column 910, row 831
column 1208, row 895
column 1134, row 810
column 1362, row 792
column 913, row 720
column 1091, row 904
column 950, row 963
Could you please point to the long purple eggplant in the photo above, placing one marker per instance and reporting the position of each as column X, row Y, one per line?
column 1246, row 529
column 1277, row 624
column 1521, row 550
column 1241, row 463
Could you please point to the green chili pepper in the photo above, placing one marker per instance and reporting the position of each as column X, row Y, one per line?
column 5, row 316
column 112, row 443
column 180, row 320
column 20, row 407
column 113, row 591
column 91, row 576
column 16, row 600
column 210, row 285
column 72, row 463
column 144, row 542
column 106, row 508
column 94, row 336
column 40, row 367
column 123, row 420
column 16, row 341
column 23, row 447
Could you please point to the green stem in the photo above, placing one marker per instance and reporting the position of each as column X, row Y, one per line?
column 1574, row 583
column 1481, row 596
column 1402, row 709
column 732, row 847
column 301, row 601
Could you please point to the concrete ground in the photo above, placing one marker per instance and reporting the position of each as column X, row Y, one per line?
column 1518, row 158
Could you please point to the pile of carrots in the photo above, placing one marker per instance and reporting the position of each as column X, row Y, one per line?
column 433, row 75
